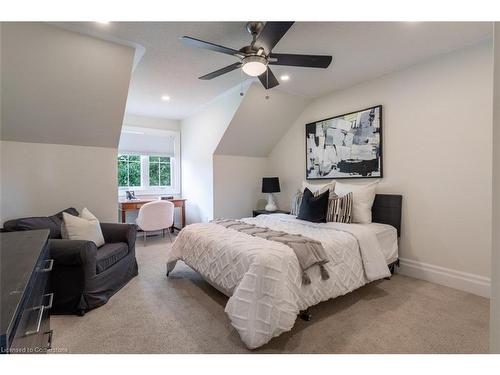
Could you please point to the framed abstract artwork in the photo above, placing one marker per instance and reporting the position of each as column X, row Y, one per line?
column 346, row 146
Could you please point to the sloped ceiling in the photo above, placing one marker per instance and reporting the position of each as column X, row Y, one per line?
column 259, row 123
column 361, row 51
column 62, row 87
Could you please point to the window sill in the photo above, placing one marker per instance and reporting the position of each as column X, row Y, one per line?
column 148, row 192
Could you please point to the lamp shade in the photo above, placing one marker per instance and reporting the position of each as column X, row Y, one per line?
column 270, row 185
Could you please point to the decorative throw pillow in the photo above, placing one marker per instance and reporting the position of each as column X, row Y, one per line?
column 318, row 188
column 314, row 208
column 296, row 201
column 86, row 227
column 362, row 200
column 339, row 208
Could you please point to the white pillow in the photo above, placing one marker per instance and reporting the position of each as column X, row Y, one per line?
column 362, row 200
column 318, row 188
column 86, row 227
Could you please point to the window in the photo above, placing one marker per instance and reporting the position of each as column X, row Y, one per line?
column 129, row 170
column 159, row 171
column 145, row 172
column 149, row 161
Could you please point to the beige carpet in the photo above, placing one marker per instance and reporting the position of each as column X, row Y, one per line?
column 183, row 314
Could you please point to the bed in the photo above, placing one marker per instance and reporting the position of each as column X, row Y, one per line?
column 263, row 279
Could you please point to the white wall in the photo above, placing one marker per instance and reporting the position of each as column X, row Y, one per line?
column 240, row 159
column 237, row 185
column 200, row 135
column 41, row 179
column 437, row 154
column 495, row 255
column 151, row 122
column 63, row 97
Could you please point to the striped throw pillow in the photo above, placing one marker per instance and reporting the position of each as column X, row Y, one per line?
column 340, row 208
column 296, row 201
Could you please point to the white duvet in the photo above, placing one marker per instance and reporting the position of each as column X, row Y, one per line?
column 263, row 278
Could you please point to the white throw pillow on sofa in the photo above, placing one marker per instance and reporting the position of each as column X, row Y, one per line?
column 86, row 227
column 362, row 200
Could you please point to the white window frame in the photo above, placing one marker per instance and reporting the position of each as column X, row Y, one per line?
column 147, row 168
column 142, row 172
column 175, row 167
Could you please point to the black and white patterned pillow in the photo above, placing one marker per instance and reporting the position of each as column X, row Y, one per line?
column 339, row 208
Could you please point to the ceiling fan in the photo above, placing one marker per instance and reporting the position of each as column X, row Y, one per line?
column 256, row 57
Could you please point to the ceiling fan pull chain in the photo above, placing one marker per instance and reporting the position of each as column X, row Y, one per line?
column 267, row 83
column 241, row 82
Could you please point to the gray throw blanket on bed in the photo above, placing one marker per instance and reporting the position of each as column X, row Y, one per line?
column 309, row 252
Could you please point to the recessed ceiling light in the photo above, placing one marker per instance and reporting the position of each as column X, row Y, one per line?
column 165, row 98
column 103, row 22
column 285, row 77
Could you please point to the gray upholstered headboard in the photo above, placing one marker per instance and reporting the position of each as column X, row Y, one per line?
column 387, row 210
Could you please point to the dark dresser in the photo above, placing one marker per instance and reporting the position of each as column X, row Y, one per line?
column 25, row 299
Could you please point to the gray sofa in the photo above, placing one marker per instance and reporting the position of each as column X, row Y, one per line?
column 84, row 276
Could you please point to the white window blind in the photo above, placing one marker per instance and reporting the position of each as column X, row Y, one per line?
column 147, row 142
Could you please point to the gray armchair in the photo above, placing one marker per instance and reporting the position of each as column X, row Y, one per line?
column 85, row 276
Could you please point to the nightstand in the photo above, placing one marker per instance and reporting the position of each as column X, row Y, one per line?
column 264, row 212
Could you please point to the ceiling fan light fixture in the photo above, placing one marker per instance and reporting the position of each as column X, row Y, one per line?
column 254, row 65
column 254, row 59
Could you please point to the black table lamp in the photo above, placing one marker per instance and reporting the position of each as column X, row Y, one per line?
column 270, row 185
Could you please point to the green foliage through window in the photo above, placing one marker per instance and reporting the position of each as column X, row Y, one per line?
column 159, row 171
column 129, row 170
column 157, row 167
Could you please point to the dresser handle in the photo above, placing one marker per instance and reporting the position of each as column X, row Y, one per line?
column 51, row 299
column 49, row 268
column 39, row 320
column 49, row 341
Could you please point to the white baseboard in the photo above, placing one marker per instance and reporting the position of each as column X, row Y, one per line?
column 467, row 282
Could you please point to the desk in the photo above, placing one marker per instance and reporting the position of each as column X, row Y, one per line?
column 125, row 205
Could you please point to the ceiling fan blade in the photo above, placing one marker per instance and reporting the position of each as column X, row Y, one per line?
column 308, row 61
column 271, row 34
column 222, row 71
column 211, row 46
column 268, row 79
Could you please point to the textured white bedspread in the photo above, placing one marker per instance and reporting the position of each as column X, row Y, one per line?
column 263, row 278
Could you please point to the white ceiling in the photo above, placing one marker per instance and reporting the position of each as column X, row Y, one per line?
column 361, row 51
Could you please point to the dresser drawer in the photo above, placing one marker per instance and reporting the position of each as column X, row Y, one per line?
column 31, row 334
